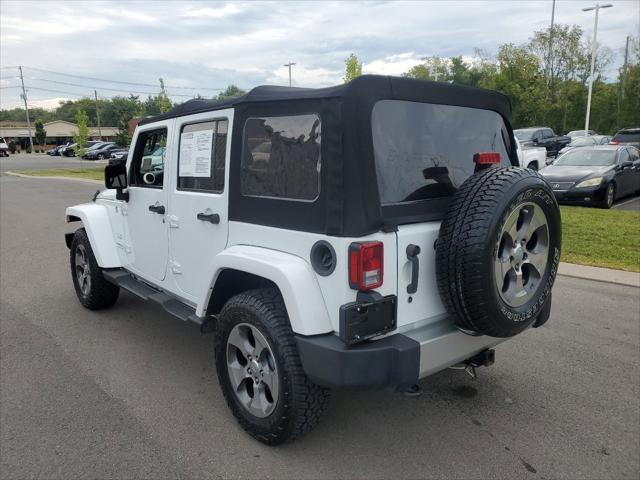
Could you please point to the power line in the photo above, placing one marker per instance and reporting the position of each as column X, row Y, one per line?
column 98, row 88
column 30, row 87
column 118, row 81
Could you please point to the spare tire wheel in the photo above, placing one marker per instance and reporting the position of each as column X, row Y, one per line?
column 498, row 251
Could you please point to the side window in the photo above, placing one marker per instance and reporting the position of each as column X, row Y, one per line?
column 147, row 166
column 623, row 156
column 634, row 153
column 547, row 133
column 281, row 157
column 201, row 162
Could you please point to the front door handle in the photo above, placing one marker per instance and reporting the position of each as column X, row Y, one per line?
column 209, row 217
column 157, row 209
column 412, row 255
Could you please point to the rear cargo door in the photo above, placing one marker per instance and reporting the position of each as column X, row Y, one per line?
column 423, row 154
column 418, row 297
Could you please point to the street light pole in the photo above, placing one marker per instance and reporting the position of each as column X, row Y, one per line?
column 593, row 59
column 290, row 64
column 550, row 59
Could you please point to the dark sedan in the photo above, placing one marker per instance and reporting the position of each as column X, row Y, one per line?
column 102, row 152
column 595, row 175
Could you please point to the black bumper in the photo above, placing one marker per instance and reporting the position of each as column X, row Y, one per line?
column 390, row 363
column 579, row 196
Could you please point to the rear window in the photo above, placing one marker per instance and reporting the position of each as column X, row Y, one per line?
column 424, row 150
column 625, row 137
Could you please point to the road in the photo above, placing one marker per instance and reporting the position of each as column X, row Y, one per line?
column 131, row 392
column 628, row 203
column 40, row 161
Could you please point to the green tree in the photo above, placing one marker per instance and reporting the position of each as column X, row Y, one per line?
column 83, row 132
column 41, row 133
column 353, row 68
column 162, row 100
column 17, row 114
column 230, row 92
column 432, row 68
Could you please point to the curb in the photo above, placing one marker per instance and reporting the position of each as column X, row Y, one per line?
column 46, row 177
column 606, row 275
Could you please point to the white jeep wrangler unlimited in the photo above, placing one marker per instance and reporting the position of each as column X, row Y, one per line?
column 359, row 236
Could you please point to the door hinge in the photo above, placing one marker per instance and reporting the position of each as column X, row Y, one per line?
column 174, row 221
column 124, row 246
column 176, row 268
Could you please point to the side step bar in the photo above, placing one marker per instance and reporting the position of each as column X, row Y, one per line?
column 172, row 305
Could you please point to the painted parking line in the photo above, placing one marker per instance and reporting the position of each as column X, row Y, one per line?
column 627, row 202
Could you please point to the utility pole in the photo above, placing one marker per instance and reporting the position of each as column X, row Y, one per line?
column 290, row 64
column 95, row 92
column 550, row 60
column 593, row 59
column 26, row 108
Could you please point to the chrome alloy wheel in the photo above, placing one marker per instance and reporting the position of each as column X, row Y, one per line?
column 83, row 270
column 610, row 195
column 252, row 370
column 523, row 250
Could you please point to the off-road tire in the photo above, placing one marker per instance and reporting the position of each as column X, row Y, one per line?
column 300, row 402
column 101, row 294
column 469, row 241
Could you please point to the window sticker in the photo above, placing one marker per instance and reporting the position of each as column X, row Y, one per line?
column 195, row 153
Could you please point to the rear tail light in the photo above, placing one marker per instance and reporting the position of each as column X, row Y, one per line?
column 366, row 265
column 486, row 158
column 614, row 142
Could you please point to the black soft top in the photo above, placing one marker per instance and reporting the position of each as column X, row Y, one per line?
column 363, row 88
column 349, row 201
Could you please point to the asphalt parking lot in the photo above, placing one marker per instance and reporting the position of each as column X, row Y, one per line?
column 131, row 392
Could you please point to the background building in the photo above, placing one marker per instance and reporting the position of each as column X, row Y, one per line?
column 59, row 132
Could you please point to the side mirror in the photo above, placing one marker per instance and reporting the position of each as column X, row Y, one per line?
column 535, row 140
column 115, row 176
column 626, row 164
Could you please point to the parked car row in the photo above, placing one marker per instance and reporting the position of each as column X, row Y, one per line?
column 559, row 144
column 94, row 150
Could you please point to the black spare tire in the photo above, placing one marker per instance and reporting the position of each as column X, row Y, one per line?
column 498, row 251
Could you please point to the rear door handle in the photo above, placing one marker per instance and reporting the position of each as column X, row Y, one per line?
column 412, row 255
column 209, row 217
column 157, row 209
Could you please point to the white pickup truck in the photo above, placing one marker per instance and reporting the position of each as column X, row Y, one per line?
column 534, row 158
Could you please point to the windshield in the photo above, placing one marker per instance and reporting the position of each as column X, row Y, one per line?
column 424, row 151
column 627, row 137
column 587, row 158
column 582, row 141
column 523, row 135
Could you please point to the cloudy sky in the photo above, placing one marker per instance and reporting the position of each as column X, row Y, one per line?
column 209, row 45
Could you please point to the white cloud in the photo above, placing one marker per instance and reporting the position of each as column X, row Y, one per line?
column 305, row 77
column 211, row 44
column 213, row 12
column 47, row 104
column 393, row 64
